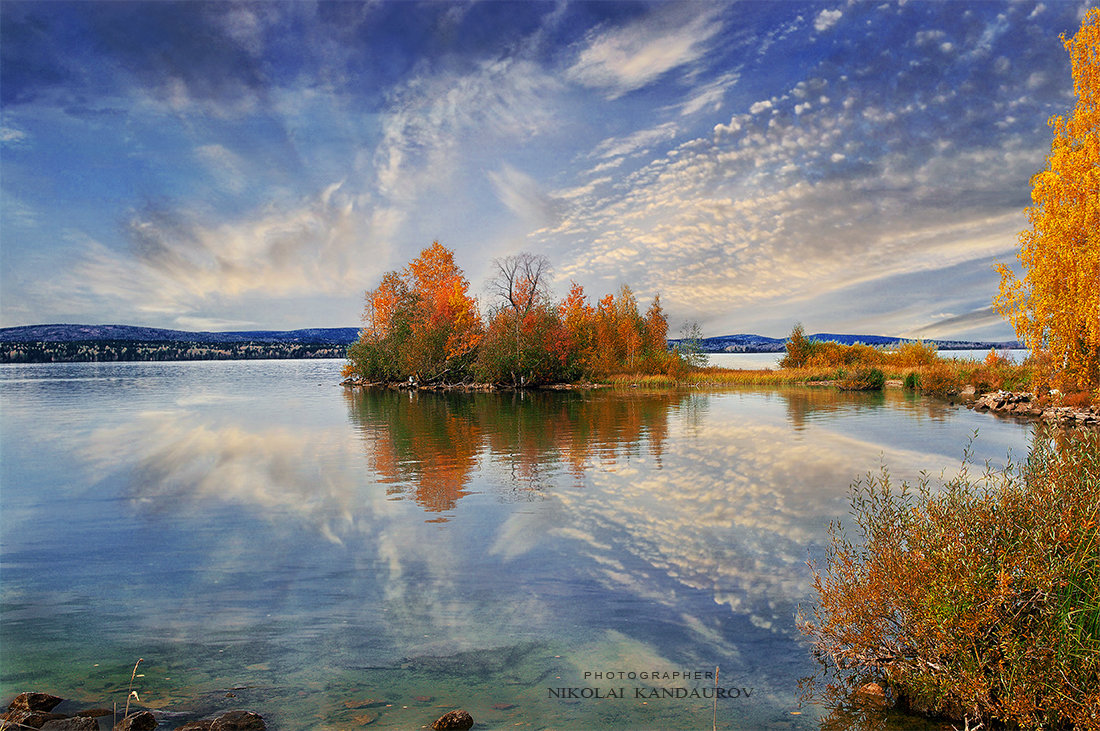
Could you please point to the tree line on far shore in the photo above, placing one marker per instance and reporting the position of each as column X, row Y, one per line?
column 421, row 323
column 109, row 351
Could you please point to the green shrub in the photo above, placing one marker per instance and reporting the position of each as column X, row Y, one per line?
column 978, row 600
column 912, row 381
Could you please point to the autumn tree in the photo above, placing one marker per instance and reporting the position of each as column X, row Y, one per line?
column 799, row 349
column 657, row 357
column 628, row 324
column 578, row 317
column 656, row 328
column 526, row 342
column 1056, row 306
column 519, row 285
column 420, row 322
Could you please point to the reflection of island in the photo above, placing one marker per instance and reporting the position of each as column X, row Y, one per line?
column 427, row 445
column 807, row 404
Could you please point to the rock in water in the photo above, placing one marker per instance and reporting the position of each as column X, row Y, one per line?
column 872, row 694
column 454, row 721
column 140, row 721
column 238, row 721
column 34, row 702
column 77, row 723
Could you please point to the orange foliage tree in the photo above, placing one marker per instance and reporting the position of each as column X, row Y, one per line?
column 1056, row 306
column 579, row 319
column 420, row 323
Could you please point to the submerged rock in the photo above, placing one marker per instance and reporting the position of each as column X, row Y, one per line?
column 872, row 694
column 34, row 702
column 454, row 721
column 238, row 721
column 76, row 723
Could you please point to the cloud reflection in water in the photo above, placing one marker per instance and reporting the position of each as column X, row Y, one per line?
column 662, row 504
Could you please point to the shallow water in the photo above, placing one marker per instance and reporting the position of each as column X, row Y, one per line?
column 333, row 558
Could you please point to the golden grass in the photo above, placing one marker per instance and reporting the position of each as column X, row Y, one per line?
column 937, row 376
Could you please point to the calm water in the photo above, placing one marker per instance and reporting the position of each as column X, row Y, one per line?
column 334, row 559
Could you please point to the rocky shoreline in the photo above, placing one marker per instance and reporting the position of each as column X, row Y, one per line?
column 39, row 711
column 1031, row 406
column 465, row 387
column 31, row 710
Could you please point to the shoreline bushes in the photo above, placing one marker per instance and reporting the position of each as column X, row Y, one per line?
column 977, row 600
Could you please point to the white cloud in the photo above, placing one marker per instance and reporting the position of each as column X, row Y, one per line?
column 330, row 243
column 583, row 190
column 246, row 27
column 709, row 97
column 431, row 117
column 226, row 166
column 213, row 324
column 784, row 208
column 929, row 37
column 523, row 195
column 12, row 136
column 826, row 19
column 761, row 106
column 633, row 56
column 635, row 142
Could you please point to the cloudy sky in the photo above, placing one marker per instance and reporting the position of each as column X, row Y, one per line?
column 856, row 166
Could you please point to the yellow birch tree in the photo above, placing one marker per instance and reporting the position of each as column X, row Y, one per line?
column 1056, row 306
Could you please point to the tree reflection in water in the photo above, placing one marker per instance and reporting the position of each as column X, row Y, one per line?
column 427, row 445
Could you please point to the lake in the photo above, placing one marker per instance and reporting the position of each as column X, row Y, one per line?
column 267, row 539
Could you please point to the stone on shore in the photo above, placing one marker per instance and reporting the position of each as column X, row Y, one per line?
column 1027, row 405
column 454, row 721
column 34, row 702
column 140, row 721
column 872, row 694
column 238, row 721
column 33, row 719
column 76, row 723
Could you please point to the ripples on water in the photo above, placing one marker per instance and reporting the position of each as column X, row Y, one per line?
column 340, row 558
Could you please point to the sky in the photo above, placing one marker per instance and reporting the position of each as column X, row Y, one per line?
column 858, row 167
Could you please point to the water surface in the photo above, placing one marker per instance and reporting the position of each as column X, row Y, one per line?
column 334, row 558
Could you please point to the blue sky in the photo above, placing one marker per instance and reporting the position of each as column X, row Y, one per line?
column 856, row 166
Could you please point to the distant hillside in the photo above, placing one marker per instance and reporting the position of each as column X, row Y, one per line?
column 747, row 343
column 79, row 333
column 80, row 343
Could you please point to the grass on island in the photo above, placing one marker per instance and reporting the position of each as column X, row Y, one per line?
column 978, row 599
column 915, row 366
